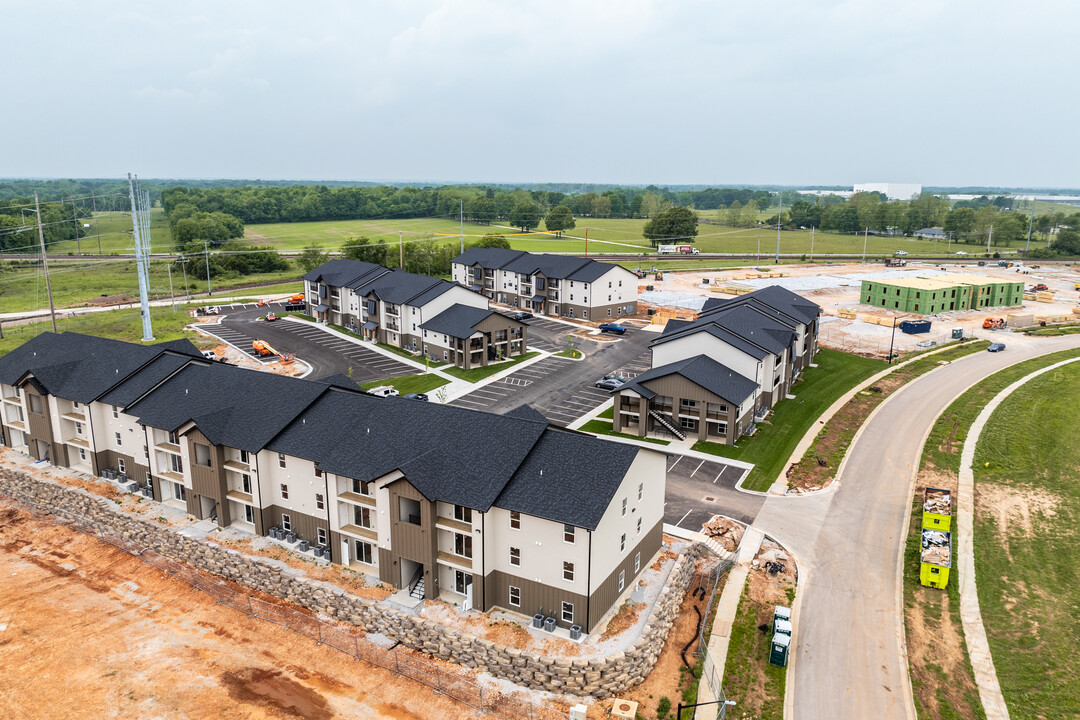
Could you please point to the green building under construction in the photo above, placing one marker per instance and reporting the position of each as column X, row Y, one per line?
column 941, row 293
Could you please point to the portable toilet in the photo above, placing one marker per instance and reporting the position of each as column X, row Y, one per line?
column 937, row 509
column 958, row 334
column 782, row 626
column 779, row 649
column 781, row 613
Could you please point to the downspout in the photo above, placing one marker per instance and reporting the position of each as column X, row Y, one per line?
column 326, row 488
column 93, row 453
column 149, row 465
column 483, row 559
column 588, row 588
column 258, row 488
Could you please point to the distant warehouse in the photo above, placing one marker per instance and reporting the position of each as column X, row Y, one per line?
column 941, row 293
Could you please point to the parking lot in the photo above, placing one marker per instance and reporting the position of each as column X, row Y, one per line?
column 698, row 489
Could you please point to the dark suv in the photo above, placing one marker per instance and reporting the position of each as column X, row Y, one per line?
column 612, row 328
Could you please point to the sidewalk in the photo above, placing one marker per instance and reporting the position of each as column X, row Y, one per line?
column 726, row 608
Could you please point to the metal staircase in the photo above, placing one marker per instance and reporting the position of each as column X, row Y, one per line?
column 667, row 423
column 416, row 585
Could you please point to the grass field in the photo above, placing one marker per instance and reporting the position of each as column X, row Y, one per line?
column 479, row 373
column 116, row 238
column 1027, row 530
column 772, row 445
column 604, row 427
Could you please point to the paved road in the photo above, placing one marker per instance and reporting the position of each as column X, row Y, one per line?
column 849, row 633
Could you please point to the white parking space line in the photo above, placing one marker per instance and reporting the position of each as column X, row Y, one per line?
column 683, row 518
column 697, row 468
column 675, row 463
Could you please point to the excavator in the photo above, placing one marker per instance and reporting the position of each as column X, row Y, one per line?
column 296, row 299
column 263, row 349
column 993, row 323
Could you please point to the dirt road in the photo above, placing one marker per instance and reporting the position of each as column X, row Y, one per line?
column 88, row 631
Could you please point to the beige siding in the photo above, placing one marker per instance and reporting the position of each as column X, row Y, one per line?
column 607, row 592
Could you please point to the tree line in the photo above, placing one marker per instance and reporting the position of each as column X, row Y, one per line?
column 19, row 230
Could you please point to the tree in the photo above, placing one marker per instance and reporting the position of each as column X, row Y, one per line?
column 482, row 210
column 733, row 215
column 560, row 218
column 525, row 215
column 1067, row 242
column 492, row 241
column 362, row 249
column 312, row 257
column 960, row 221
column 677, row 223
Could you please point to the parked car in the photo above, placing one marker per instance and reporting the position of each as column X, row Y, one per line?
column 384, row 391
column 209, row 355
column 608, row 383
column 961, row 252
column 522, row 315
column 616, row 376
column 900, row 252
column 612, row 328
column 996, row 347
column 416, row 396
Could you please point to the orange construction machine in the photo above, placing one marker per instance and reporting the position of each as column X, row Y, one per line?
column 290, row 299
column 263, row 349
column 993, row 323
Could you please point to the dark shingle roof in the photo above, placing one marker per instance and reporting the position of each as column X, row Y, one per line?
column 704, row 372
column 341, row 272
column 451, row 454
column 402, row 288
column 777, row 298
column 75, row 366
column 137, row 385
column 231, row 406
column 718, row 332
column 458, row 321
column 741, row 326
column 490, row 258
column 568, row 477
column 338, row 380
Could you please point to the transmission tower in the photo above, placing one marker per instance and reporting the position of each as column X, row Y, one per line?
column 140, row 226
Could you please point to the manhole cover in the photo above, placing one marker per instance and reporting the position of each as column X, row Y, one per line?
column 709, row 499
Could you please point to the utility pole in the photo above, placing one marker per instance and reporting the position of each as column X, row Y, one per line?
column 586, row 242
column 461, row 226
column 140, row 263
column 401, row 251
column 757, row 256
column 811, row 243
column 778, row 214
column 45, row 261
column 97, row 228
column 183, row 268
column 206, row 256
column 865, row 240
column 1031, row 221
column 75, row 214
column 172, row 299
column 988, row 238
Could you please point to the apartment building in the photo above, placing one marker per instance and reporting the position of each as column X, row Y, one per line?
column 483, row 510
column 393, row 306
column 558, row 285
column 714, row 377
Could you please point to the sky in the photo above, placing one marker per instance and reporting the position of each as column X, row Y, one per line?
column 800, row 92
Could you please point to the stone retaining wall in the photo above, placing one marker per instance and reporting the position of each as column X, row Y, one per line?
column 597, row 677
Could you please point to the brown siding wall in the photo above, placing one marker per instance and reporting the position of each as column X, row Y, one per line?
column 607, row 593
column 303, row 525
column 209, row 481
column 39, row 426
column 678, row 387
column 387, row 569
column 534, row 597
column 413, row 542
column 106, row 459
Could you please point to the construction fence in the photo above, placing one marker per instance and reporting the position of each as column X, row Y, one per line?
column 453, row 684
column 709, row 584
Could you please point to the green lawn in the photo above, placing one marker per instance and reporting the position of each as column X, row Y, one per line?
column 772, row 445
column 116, row 238
column 477, row 374
column 125, row 324
column 1027, row 531
column 602, row 427
column 405, row 384
column 748, row 674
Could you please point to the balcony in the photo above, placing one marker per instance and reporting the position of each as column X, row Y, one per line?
column 13, row 399
column 78, row 442
column 239, row 496
column 455, row 560
column 237, row 466
column 451, row 524
column 171, row 475
column 17, row 424
column 357, row 498
column 360, row 532
column 168, row 447
column 74, row 416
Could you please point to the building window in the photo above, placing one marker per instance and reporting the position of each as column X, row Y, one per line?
column 181, row 492
column 639, row 526
column 462, row 513
column 286, row 521
column 78, row 428
column 624, row 507
column 281, row 460
column 119, row 442
column 202, row 454
column 245, row 483
column 320, row 501
column 363, row 553
column 82, row 454
column 515, row 520
column 462, row 581
column 637, row 562
column 115, row 411
column 320, row 534
column 687, row 423
column 362, row 488
column 622, row 542
column 515, row 596
column 249, row 514
column 318, row 472
column 515, row 556
column 121, row 465
column 362, row 517
column 687, row 404
column 244, row 458
column 640, row 491
column 568, row 571
column 463, row 545
column 284, row 491
column 622, row 580
column 176, row 464
column 173, row 437
column 568, row 534
column 568, row 612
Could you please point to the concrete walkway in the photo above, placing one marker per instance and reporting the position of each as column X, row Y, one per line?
column 726, row 608
column 974, row 632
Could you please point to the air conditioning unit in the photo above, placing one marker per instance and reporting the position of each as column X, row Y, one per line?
column 304, row 546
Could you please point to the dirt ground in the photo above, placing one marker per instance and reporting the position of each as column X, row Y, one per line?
column 96, row 633
column 725, row 531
